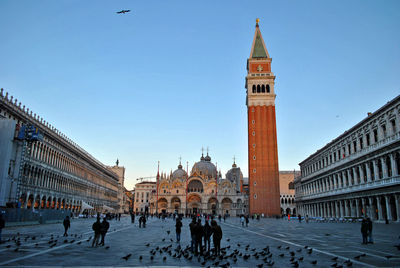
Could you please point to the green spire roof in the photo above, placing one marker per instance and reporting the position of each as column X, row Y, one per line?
column 259, row 50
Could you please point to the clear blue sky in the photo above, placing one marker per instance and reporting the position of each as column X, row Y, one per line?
column 168, row 78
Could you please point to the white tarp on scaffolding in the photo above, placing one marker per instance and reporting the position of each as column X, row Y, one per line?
column 85, row 206
column 107, row 208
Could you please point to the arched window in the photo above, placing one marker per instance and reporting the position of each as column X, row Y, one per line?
column 268, row 89
column 258, row 89
column 254, row 88
column 262, row 89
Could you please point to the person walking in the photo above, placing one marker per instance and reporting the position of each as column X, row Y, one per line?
column 242, row 220
column 306, row 218
column 299, row 216
column 178, row 229
column 217, row 236
column 97, row 230
column 219, row 217
column 364, row 231
column 132, row 217
column 67, row 224
column 144, row 221
column 199, row 237
column 105, row 225
column 2, row 224
column 246, row 218
column 369, row 224
column 192, row 227
column 207, row 236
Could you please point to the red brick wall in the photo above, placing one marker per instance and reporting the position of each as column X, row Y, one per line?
column 266, row 162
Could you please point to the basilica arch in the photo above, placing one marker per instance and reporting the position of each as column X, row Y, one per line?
column 176, row 204
column 194, row 204
column 212, row 205
column 226, row 205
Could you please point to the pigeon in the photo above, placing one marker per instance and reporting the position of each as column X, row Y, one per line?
column 163, row 239
column 334, row 264
column 79, row 242
column 238, row 245
column 228, row 240
column 357, row 257
column 123, row 11
column 147, row 245
column 287, row 248
column 151, row 257
column 8, row 246
column 127, row 257
column 107, row 247
column 334, row 258
column 299, row 250
column 260, row 265
column 389, row 257
column 281, row 255
column 313, row 262
column 279, row 247
column 16, row 249
column 168, row 232
column 140, row 257
column 292, row 253
column 164, row 258
column 301, row 258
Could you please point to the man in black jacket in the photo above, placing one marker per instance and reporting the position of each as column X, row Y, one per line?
column 199, row 236
column 66, row 224
column 217, row 236
column 178, row 229
column 207, row 236
column 103, row 230
column 97, row 230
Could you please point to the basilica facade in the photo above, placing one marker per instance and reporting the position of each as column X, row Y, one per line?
column 202, row 191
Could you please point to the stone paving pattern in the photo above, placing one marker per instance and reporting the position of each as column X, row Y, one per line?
column 326, row 239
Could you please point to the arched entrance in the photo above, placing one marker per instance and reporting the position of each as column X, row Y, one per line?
column 212, row 206
column 162, row 205
column 226, row 205
column 194, row 204
column 176, row 204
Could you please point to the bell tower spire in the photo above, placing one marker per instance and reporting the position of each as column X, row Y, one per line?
column 262, row 138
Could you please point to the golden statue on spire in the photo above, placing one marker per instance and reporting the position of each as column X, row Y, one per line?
column 257, row 21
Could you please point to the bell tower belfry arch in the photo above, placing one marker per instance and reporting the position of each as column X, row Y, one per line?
column 264, row 194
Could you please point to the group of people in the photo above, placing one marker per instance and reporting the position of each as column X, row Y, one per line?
column 244, row 220
column 366, row 231
column 204, row 232
column 100, row 230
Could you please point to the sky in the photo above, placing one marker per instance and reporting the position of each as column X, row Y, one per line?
column 167, row 79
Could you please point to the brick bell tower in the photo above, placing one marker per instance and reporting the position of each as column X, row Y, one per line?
column 262, row 146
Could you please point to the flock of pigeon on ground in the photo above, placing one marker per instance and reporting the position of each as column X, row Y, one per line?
column 229, row 255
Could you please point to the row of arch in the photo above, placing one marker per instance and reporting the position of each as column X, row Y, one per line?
column 261, row 89
column 351, row 147
column 372, row 170
column 287, row 201
column 50, row 180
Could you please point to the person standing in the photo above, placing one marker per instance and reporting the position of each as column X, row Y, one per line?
column 364, row 231
column 199, row 237
column 369, row 224
column 2, row 224
column 105, row 225
column 97, row 230
column 306, row 218
column 207, row 236
column 67, row 224
column 132, row 217
column 217, row 236
column 192, row 227
column 299, row 216
column 242, row 220
column 178, row 229
column 246, row 218
column 144, row 221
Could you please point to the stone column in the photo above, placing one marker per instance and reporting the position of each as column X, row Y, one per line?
column 376, row 170
column 346, row 208
column 355, row 178
column 395, row 172
column 368, row 172
column 341, row 208
column 361, row 171
column 388, row 208
column 380, row 214
column 371, row 209
column 357, row 208
column 337, row 211
column 384, row 168
column 363, row 207
column 349, row 178
column 397, row 199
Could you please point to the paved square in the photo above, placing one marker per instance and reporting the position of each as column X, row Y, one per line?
column 328, row 240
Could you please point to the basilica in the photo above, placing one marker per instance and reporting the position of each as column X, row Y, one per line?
column 203, row 191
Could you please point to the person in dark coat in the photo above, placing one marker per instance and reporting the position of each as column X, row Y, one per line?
column 207, row 236
column 2, row 224
column 105, row 225
column 199, row 237
column 97, row 231
column 217, row 236
column 132, row 217
column 66, row 224
column 178, row 229
column 144, row 221
column 192, row 227
column 364, row 231
column 246, row 218
column 369, row 224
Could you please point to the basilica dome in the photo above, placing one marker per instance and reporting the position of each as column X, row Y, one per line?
column 179, row 173
column 205, row 168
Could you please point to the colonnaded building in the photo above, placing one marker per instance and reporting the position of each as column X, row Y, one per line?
column 42, row 168
column 356, row 174
column 203, row 191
